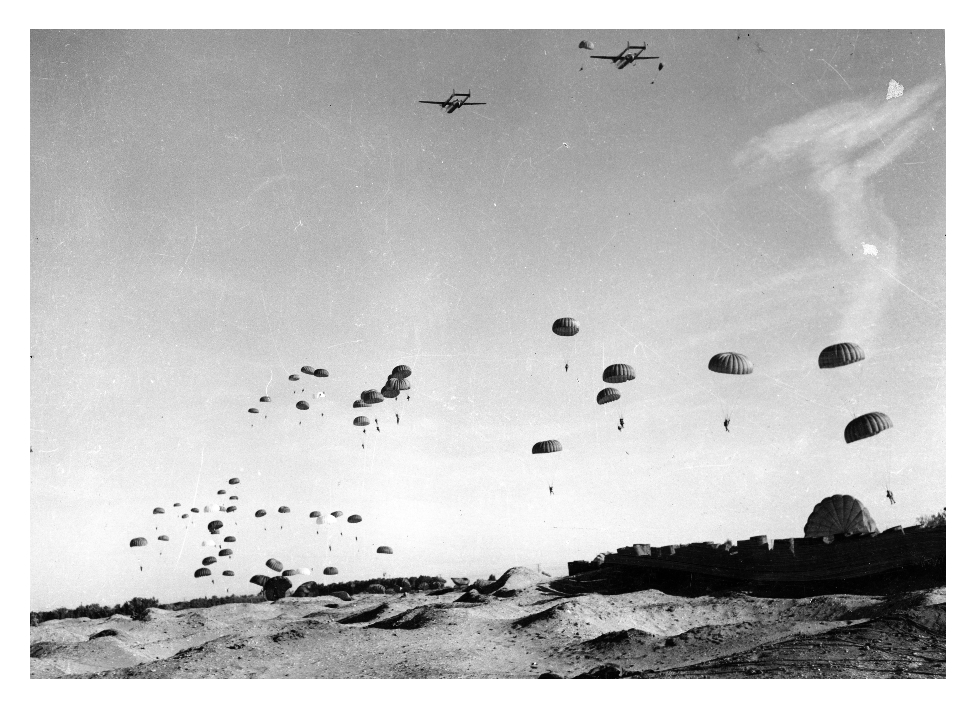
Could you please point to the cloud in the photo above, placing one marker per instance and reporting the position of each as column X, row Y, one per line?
column 844, row 146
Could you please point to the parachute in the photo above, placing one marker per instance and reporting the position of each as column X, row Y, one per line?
column 371, row 396
column 566, row 327
column 866, row 426
column 259, row 579
column 401, row 371
column 308, row 370
column 184, row 516
column 284, row 510
column 274, row 565
column 208, row 543
column 260, row 513
column 265, row 399
column 384, row 550
column 232, row 508
column 315, row 513
column 730, row 363
column 194, row 509
column 234, row 481
column 359, row 404
column 586, row 44
column 138, row 542
column 354, row 519
column 230, row 540
column 840, row 355
column 336, row 514
column 159, row 511
column 207, row 508
column 253, row 411
column 233, row 497
column 290, row 572
column 163, row 538
column 607, row 395
column 320, row 372
column 225, row 552
column 177, row 504
column 228, row 572
column 331, row 571
column 360, row 421
column 221, row 492
column 302, row 406
column 200, row 573
column 209, row 560
column 215, row 526
column 276, row 588
column 618, row 374
column 839, row 514
column 404, row 385
column 546, row 447
column 304, row 571
column 293, row 378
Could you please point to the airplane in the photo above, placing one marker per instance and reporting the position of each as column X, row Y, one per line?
column 626, row 57
column 455, row 101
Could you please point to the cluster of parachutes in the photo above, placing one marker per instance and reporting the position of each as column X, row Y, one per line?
column 397, row 382
column 301, row 405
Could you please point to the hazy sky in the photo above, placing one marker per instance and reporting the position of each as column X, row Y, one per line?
column 210, row 211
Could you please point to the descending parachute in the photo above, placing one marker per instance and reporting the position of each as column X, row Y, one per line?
column 360, row 421
column 230, row 540
column 209, row 560
column 184, row 516
column 546, row 447
column 618, row 374
column 566, row 327
column 232, row 508
column 221, row 492
column 159, row 511
column 384, row 550
column 290, row 572
column 215, row 526
column 260, row 513
column 607, row 395
column 233, row 497
column 303, row 571
column 320, row 372
column 586, row 44
column 163, row 538
column 354, row 519
column 315, row 513
column 228, row 572
column 177, row 504
column 194, row 509
column 138, row 542
column 308, row 370
column 284, row 510
column 866, row 426
column 371, row 396
column 200, row 573
column 225, row 552
column 404, row 385
column 265, row 399
column 839, row 514
column 293, row 378
column 253, row 411
column 274, row 565
column 259, row 579
column 331, row 571
column 302, row 406
column 336, row 514
column 730, row 363
column 360, row 404
column 401, row 371
column 841, row 355
column 208, row 543
column 234, row 481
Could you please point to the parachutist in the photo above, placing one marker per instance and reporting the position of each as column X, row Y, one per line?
column 726, row 422
column 566, row 366
column 621, row 422
column 407, row 397
column 890, row 496
column 377, row 430
column 551, row 491
column 397, row 419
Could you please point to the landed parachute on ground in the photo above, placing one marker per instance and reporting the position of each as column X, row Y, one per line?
column 840, row 355
column 384, row 550
column 586, row 44
column 730, row 363
column 866, row 426
column 302, row 406
column 354, row 519
column 259, row 579
column 607, row 395
column 330, row 571
column 566, row 327
column 401, row 371
column 200, row 573
column 274, row 565
column 546, row 447
column 839, row 514
column 138, row 542
column 618, row 374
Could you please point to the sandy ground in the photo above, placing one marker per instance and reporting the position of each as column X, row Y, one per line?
column 570, row 627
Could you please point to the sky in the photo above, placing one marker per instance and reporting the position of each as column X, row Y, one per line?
column 213, row 210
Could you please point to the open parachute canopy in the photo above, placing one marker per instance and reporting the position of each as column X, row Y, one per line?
column 290, row 572
column 336, row 514
column 839, row 514
column 730, row 363
column 302, row 406
column 230, row 540
column 200, row 573
column 331, row 571
column 184, row 516
column 308, row 370
column 194, row 509
column 252, row 410
column 360, row 421
column 618, row 374
column 260, row 513
column 232, row 508
column 274, row 565
column 215, row 526
column 265, row 399
column 228, row 572
column 209, row 560
column 233, row 497
column 547, row 447
column 359, row 404
column 138, row 542
column 866, row 426
column 840, row 355
column 225, row 552
column 401, row 371
column 163, row 538
column 259, row 579
column 371, row 396
column 221, row 492
column 586, row 44
column 607, row 395
column 177, row 504
column 404, row 385
column 159, row 511
column 234, row 481
column 566, row 327
column 293, row 378
column 208, row 543
column 315, row 513
column 320, row 372
column 283, row 509
column 354, row 519
column 384, row 550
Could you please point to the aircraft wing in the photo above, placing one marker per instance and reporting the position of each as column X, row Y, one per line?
column 439, row 103
column 636, row 58
column 595, row 56
column 473, row 103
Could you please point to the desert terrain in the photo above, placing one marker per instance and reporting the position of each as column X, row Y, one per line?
column 525, row 625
